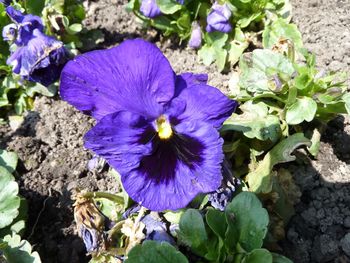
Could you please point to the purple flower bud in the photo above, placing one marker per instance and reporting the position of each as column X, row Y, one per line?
column 9, row 32
column 150, row 8
column 219, row 18
column 196, row 36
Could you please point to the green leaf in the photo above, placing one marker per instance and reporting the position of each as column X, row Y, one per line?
column 192, row 229
column 109, row 208
column 303, row 109
column 255, row 122
column 168, row 6
column 34, row 88
column 155, row 252
column 217, row 222
column 281, row 29
column 258, row 256
column 8, row 160
column 19, row 251
column 250, row 220
column 214, row 50
column 74, row 28
column 207, row 54
column 260, row 179
column 261, row 67
column 277, row 258
column 9, row 201
column 35, row 7
column 174, row 216
column 315, row 142
column 18, row 224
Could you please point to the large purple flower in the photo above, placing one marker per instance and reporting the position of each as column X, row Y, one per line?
column 219, row 18
column 158, row 130
column 37, row 57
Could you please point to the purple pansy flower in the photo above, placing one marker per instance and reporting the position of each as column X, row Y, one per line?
column 37, row 57
column 219, row 18
column 196, row 36
column 157, row 129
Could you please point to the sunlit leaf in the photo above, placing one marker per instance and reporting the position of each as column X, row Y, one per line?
column 155, row 252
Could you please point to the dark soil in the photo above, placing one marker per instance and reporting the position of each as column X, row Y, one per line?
column 53, row 160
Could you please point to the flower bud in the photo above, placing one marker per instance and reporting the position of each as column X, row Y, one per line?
column 150, row 8
column 196, row 36
column 219, row 18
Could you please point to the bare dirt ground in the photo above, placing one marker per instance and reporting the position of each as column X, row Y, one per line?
column 53, row 160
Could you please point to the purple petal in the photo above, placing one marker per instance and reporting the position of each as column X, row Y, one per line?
column 26, row 24
column 186, row 80
column 40, row 60
column 121, row 138
column 135, row 76
column 178, row 169
column 204, row 103
column 149, row 8
column 219, row 19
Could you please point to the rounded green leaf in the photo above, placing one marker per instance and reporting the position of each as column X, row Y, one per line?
column 168, row 6
column 9, row 201
column 155, row 252
column 258, row 256
column 303, row 109
column 19, row 251
column 250, row 220
column 8, row 160
column 192, row 229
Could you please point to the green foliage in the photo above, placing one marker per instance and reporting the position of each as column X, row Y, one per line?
column 9, row 200
column 13, row 210
column 155, row 252
column 247, row 20
column 233, row 235
column 16, row 250
column 250, row 220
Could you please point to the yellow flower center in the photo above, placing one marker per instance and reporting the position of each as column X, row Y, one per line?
column 164, row 128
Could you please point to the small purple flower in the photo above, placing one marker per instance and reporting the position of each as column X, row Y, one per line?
column 149, row 8
column 219, row 18
column 37, row 57
column 196, row 36
column 159, row 130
